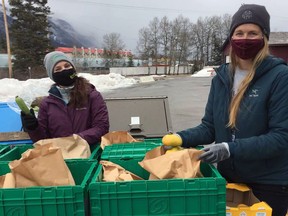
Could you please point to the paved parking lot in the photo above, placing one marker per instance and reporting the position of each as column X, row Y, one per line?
column 187, row 97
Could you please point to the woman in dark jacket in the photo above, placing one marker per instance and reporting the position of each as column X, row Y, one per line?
column 247, row 113
column 73, row 106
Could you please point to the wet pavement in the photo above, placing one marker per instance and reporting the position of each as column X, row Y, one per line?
column 187, row 97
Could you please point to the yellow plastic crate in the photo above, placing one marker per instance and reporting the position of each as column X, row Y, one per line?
column 241, row 201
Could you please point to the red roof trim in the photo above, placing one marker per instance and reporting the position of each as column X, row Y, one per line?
column 87, row 50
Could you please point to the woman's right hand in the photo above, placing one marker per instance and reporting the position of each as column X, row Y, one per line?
column 29, row 121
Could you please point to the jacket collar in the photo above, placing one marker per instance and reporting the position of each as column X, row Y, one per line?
column 266, row 65
column 53, row 91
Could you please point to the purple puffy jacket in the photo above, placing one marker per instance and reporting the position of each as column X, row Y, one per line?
column 56, row 119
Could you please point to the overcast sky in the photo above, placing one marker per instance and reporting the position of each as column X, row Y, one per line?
column 127, row 17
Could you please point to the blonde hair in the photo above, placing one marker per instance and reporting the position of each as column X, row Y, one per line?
column 237, row 98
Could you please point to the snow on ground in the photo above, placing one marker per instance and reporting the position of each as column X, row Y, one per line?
column 32, row 88
column 205, row 72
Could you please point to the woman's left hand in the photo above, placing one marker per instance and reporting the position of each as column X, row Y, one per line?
column 215, row 153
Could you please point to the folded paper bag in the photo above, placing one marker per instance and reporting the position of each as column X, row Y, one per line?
column 41, row 166
column 115, row 137
column 7, row 181
column 114, row 172
column 72, row 146
column 179, row 164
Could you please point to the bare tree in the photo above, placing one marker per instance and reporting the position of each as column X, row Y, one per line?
column 219, row 35
column 164, row 36
column 179, row 40
column 225, row 25
column 174, row 41
column 154, row 40
column 206, row 31
column 112, row 44
column 183, row 40
column 143, row 45
column 213, row 26
column 198, row 35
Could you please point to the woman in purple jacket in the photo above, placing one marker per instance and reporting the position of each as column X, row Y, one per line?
column 73, row 106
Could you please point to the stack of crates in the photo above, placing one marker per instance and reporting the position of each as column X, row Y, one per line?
column 48, row 200
column 144, row 117
column 194, row 196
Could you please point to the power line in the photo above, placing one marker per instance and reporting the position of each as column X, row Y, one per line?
column 133, row 6
column 147, row 8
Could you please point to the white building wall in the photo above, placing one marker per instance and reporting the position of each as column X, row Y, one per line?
column 134, row 71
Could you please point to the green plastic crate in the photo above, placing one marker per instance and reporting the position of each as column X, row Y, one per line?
column 128, row 155
column 4, row 149
column 194, row 197
column 152, row 141
column 13, row 152
column 96, row 151
column 48, row 201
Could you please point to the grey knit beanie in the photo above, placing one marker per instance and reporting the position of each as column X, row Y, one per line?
column 251, row 13
column 52, row 58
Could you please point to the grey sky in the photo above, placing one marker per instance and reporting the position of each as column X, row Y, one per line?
column 127, row 17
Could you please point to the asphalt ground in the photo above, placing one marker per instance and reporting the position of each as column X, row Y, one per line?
column 187, row 97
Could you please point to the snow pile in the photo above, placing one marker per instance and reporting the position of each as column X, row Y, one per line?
column 32, row 88
column 205, row 72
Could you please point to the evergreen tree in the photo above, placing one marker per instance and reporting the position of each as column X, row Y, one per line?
column 29, row 33
column 3, row 44
column 130, row 62
column 216, row 54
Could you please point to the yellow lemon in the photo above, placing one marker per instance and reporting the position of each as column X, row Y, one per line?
column 172, row 140
column 174, row 149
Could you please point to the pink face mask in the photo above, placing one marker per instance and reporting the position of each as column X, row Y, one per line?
column 247, row 48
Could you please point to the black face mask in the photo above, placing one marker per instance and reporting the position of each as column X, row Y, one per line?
column 65, row 77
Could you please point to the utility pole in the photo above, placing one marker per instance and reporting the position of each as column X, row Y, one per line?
column 7, row 39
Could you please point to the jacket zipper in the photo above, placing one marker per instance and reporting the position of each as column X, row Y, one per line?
column 233, row 135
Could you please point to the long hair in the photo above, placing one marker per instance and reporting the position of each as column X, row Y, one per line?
column 79, row 94
column 237, row 98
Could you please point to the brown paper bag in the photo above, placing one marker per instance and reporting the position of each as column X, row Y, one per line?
column 179, row 164
column 72, row 147
column 41, row 166
column 114, row 172
column 115, row 137
column 7, row 181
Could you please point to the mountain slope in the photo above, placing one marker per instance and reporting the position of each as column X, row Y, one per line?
column 63, row 33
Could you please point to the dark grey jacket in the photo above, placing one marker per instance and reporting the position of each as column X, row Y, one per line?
column 259, row 153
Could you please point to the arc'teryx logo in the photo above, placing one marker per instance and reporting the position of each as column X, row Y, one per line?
column 254, row 93
column 247, row 15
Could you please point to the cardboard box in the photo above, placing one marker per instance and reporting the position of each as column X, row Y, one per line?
column 241, row 201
